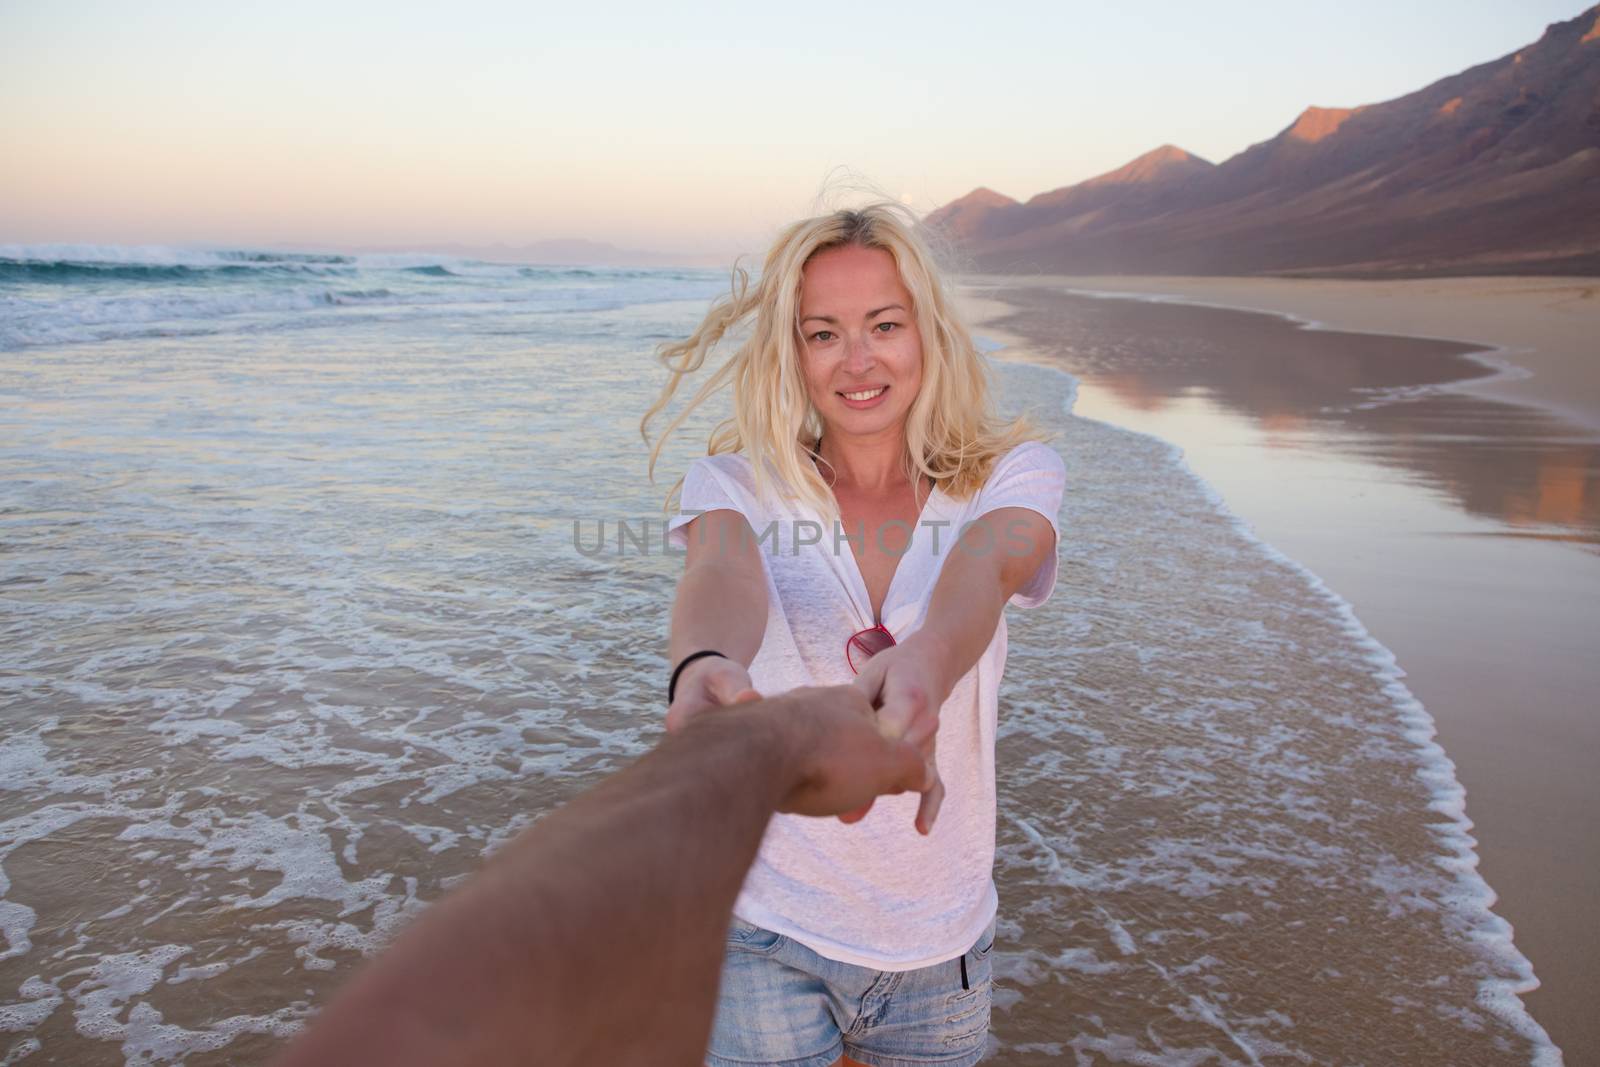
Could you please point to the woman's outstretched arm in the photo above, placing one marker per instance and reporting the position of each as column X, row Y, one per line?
column 597, row 936
column 908, row 683
column 721, row 604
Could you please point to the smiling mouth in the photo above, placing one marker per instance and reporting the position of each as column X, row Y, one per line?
column 865, row 394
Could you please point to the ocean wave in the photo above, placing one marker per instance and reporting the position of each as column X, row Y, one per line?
column 162, row 255
column 567, row 272
column 75, row 294
column 162, row 262
column 26, row 322
column 63, row 272
column 287, row 257
column 201, row 258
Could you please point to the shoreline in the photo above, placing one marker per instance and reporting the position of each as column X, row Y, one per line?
column 1553, row 364
column 1523, row 808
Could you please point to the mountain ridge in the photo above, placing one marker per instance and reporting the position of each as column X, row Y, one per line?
column 1493, row 169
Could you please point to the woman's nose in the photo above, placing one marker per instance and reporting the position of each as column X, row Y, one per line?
column 857, row 354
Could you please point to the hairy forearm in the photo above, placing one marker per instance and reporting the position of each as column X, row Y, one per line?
column 718, row 608
column 547, row 955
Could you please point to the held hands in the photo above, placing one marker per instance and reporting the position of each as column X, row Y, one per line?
column 906, row 683
column 867, row 727
column 709, row 682
column 839, row 756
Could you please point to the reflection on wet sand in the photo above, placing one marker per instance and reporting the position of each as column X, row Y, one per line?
column 1364, row 395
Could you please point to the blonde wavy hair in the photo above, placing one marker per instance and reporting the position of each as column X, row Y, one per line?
column 953, row 433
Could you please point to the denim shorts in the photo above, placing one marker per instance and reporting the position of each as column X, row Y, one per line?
column 782, row 1004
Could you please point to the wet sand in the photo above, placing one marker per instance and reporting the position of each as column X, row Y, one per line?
column 1546, row 328
column 1418, row 480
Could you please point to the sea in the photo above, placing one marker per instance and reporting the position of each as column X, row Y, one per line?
column 323, row 575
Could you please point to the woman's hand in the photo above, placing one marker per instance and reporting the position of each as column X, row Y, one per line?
column 708, row 682
column 907, row 684
column 838, row 753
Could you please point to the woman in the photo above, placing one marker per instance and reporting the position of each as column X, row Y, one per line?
column 865, row 517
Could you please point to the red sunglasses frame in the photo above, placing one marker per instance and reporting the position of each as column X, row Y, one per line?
column 867, row 651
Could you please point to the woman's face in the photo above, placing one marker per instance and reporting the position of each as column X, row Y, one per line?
column 859, row 337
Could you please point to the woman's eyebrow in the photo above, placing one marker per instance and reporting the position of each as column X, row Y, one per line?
column 874, row 313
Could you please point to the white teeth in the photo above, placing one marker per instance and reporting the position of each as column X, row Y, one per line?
column 868, row 395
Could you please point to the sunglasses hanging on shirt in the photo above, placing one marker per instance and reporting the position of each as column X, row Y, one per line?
column 865, row 644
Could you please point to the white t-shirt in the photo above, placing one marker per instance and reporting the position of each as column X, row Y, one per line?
column 878, row 894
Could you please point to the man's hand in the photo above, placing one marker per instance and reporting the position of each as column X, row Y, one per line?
column 908, row 686
column 837, row 755
column 709, row 682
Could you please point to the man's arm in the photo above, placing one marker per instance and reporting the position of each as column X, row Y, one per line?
column 597, row 936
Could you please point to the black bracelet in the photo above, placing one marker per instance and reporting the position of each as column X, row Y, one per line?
column 672, row 686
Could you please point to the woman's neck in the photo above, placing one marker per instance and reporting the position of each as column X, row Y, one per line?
column 876, row 466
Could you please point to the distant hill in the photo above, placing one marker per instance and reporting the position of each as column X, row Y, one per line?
column 574, row 252
column 1493, row 170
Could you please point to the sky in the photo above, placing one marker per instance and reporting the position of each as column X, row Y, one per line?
column 685, row 127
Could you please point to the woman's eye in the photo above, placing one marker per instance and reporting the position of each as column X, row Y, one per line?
column 885, row 327
column 822, row 335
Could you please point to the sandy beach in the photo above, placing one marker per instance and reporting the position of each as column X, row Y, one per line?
column 1546, row 328
column 1449, row 493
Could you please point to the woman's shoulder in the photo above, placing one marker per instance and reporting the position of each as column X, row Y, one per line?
column 1026, row 457
column 732, row 465
column 731, row 470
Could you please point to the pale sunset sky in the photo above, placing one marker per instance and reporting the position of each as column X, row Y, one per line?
column 692, row 128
